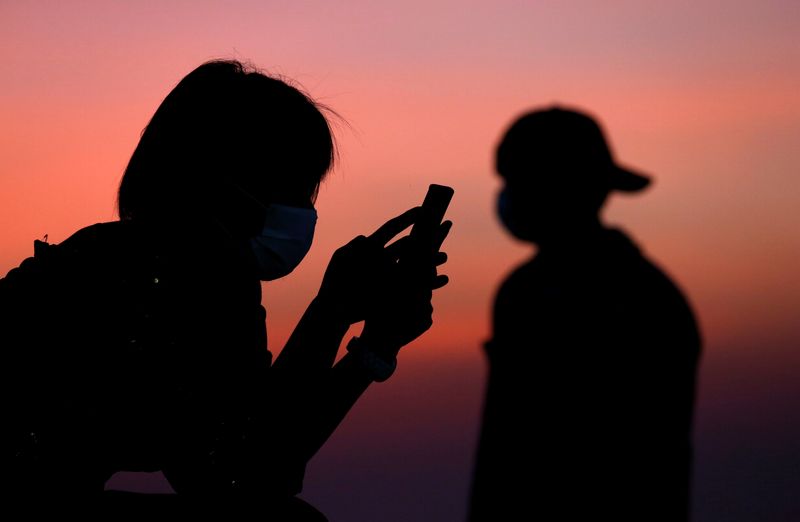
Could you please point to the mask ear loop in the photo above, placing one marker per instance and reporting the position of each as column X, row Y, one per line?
column 250, row 196
column 261, row 204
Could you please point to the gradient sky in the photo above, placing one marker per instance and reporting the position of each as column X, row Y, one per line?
column 703, row 95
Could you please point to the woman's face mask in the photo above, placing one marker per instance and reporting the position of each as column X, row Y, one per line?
column 284, row 240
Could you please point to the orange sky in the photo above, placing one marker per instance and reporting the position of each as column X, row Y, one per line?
column 703, row 95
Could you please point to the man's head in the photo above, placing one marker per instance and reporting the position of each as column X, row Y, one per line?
column 558, row 170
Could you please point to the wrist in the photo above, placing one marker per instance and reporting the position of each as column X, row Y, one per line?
column 328, row 309
column 377, row 365
column 379, row 343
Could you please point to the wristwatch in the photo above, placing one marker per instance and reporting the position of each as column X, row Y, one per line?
column 378, row 368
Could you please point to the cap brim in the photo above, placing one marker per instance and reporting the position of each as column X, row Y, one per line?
column 628, row 180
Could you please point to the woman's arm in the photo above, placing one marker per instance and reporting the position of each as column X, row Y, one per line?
column 350, row 291
column 313, row 345
column 314, row 407
column 363, row 281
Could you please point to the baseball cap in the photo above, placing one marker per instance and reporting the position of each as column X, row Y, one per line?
column 565, row 144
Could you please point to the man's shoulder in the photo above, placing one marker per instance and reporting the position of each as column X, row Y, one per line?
column 654, row 295
column 623, row 255
column 526, row 272
column 521, row 280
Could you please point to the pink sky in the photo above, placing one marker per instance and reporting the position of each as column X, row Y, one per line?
column 703, row 95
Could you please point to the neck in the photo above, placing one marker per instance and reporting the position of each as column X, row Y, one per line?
column 572, row 237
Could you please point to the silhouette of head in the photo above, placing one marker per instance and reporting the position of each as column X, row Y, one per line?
column 558, row 170
column 226, row 142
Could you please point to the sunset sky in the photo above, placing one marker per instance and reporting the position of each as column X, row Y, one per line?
column 702, row 95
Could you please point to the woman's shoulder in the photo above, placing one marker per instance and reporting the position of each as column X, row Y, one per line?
column 99, row 235
column 51, row 258
column 89, row 249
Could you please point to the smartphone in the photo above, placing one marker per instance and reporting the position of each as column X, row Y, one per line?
column 433, row 209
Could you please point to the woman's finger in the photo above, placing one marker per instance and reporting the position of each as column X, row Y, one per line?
column 441, row 234
column 399, row 248
column 394, row 226
column 440, row 281
column 440, row 258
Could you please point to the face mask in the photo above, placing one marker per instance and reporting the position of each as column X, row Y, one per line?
column 284, row 241
column 506, row 214
column 504, row 211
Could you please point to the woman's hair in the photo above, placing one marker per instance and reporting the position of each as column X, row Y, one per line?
column 225, row 124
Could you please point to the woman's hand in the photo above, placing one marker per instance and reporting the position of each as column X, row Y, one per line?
column 365, row 281
column 349, row 284
column 402, row 310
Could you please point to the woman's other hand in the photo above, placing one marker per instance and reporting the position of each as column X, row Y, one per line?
column 364, row 281
column 349, row 285
column 402, row 310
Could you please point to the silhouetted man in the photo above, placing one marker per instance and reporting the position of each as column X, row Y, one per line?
column 594, row 350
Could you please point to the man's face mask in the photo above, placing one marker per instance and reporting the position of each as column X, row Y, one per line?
column 507, row 215
column 284, row 240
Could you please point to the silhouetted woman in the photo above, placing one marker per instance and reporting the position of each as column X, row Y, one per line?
column 140, row 344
